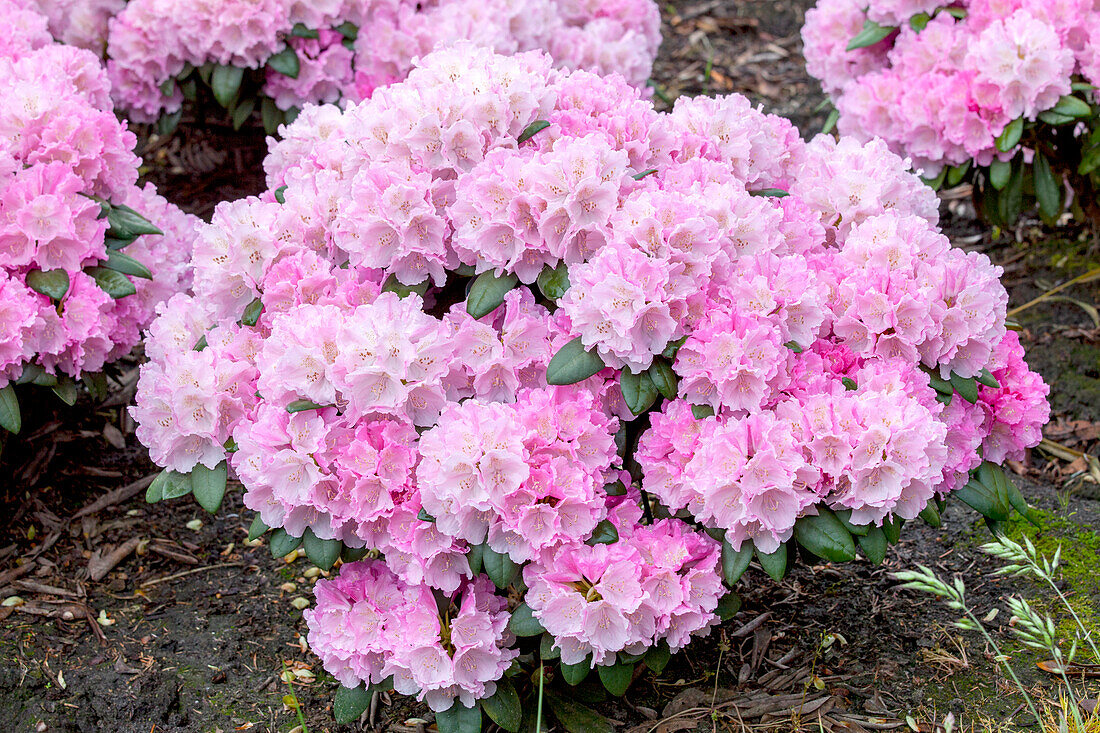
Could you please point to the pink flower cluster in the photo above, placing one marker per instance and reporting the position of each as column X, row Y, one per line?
column 370, row 625
column 941, row 92
column 329, row 356
column 81, row 23
column 61, row 148
column 153, row 41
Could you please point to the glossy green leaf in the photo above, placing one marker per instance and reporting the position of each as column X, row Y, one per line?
column 257, row 529
column 96, row 384
column 126, row 223
column 504, row 707
column 983, row 500
column 919, row 21
column 987, row 378
column 475, row 556
column 272, row 117
column 574, row 674
column 252, row 311
column 499, row 567
column 301, row 30
column 774, row 563
column 1010, row 136
column 874, row 545
column 644, row 174
column 931, row 516
column 554, row 281
column 966, row 387
column 845, row 517
column 701, row 412
column 170, row 485
column 322, row 553
column 242, row 112
column 638, row 390
column 348, row 30
column 771, row 193
column 1048, row 190
column 956, row 173
column 1072, row 106
column 127, row 265
column 282, row 543
column 487, row 293
column 304, row 406
column 350, row 703
column 575, row 717
column 285, row 62
column 155, row 491
column 459, row 719
column 225, row 81
column 208, row 485
column 51, row 283
column 531, row 130
column 892, row 529
column 830, row 122
column 523, row 622
column 871, row 34
column 663, row 378
column 10, row 417
column 616, row 678
column 735, row 562
column 728, row 606
column 825, row 536
column 111, row 282
column 547, row 650
column 65, row 389
column 1053, row 118
column 573, row 364
column 999, row 173
column 658, row 656
column 604, row 534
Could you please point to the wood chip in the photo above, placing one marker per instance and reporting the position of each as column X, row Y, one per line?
column 99, row 564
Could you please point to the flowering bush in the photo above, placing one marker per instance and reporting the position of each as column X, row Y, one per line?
column 300, row 52
column 562, row 365
column 80, row 23
column 70, row 234
column 997, row 92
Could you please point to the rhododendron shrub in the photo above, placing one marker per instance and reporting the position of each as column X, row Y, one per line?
column 273, row 56
column 81, row 271
column 563, row 365
column 998, row 92
column 80, row 23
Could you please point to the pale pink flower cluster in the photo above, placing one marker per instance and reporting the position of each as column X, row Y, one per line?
column 81, row 23
column 661, row 582
column 329, row 356
column 941, row 93
column 153, row 41
column 370, row 625
column 61, row 147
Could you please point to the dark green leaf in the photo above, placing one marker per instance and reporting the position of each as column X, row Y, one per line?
column 487, row 293
column 999, row 173
column 531, row 130
column 289, row 115
column 113, row 283
column 987, row 378
column 1019, row 503
column 663, row 378
column 524, row 623
column 672, row 348
column 167, row 123
column 155, row 491
column 353, row 554
column 554, row 281
column 348, row 30
column 616, row 677
column 1072, row 106
column 114, row 243
column 937, row 181
column 825, row 536
column 871, row 34
column 577, row 718
column 31, row 372
column 173, row 484
column 604, row 534
column 201, row 343
column 225, row 81
column 499, row 567
column 304, row 405
column 208, row 485
column 574, row 674
column 285, row 62
column 350, row 703
column 96, row 384
column 643, row 174
column 849, row 384
column 919, row 21
column 1010, row 136
column 967, row 387
column 322, row 553
column 956, row 173
column 793, row 346
column 1090, row 160
column 547, row 650
column 1048, row 190
column 638, row 390
column 701, row 412
column 423, row 516
column 126, row 223
column 504, row 707
column 845, row 517
column 1053, row 118
column 874, row 545
column 459, row 719
column 257, row 529
column 51, row 283
column 301, row 30
column 954, row 12
column 280, row 194
column 65, row 389
column 475, row 556
column 242, row 112
column 931, row 516
column 728, row 606
column 830, row 122
column 573, row 364
column 252, row 312
column 271, row 115
column 615, row 488
column 775, row 563
column 10, row 417
column 983, row 500
column 127, row 265
column 1011, row 201
column 892, row 529
column 168, row 87
column 282, row 543
column 771, row 192
column 735, row 562
column 657, row 657
column 43, row 379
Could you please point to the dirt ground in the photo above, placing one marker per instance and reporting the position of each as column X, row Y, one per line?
column 196, row 630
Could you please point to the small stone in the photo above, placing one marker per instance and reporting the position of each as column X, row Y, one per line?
column 300, row 603
column 194, row 525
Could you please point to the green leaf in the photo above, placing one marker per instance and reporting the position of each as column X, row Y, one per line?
column 956, row 173
column 208, row 485
column 999, row 173
column 615, row 488
column 271, row 116
column 167, row 123
column 225, row 81
column 1010, row 136
column 830, row 122
column 65, row 389
column 793, row 346
column 604, row 534
column 423, row 516
column 350, row 703
column 1072, row 106
column 849, row 384
column 301, row 30
column 577, row 718
column 252, row 312
column 554, row 281
column 547, row 650
column 155, row 491
column 919, row 21
column 735, row 562
column 987, row 378
column 257, row 529
column 524, row 623
column 125, row 223
column 51, row 283
column 643, row 174
column 31, row 373
column 771, row 193
column 1019, row 503
column 348, row 30
column 871, row 34
column 892, row 529
column 616, row 678
column 874, row 545
column 1053, row 118
column 304, row 405
column 201, row 343
column 531, row 130
column 728, row 606
column 280, row 194
column 845, row 517
column 96, row 384
column 487, row 293
column 127, row 265
column 937, row 182
column 168, row 485
column 242, row 112
column 113, row 283
column 572, row 364
column 168, row 87
column 967, row 387
column 504, row 707
column 459, row 719
column 285, row 62
column 983, row 500
column 701, row 412
column 638, row 390
column 574, row 674
column 825, row 536
column 775, row 563
column 475, row 556
column 931, row 516
column 499, row 567
column 353, row 554
column 282, row 543
column 322, row 553
column 1090, row 160
column 663, row 378
column 1011, row 201
column 1048, row 190
column 657, row 657
column 10, row 417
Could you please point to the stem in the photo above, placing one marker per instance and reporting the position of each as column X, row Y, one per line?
column 538, row 710
column 1090, row 275
column 1005, row 664
column 1066, row 603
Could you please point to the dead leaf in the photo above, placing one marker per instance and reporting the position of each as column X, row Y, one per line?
column 1073, row 670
